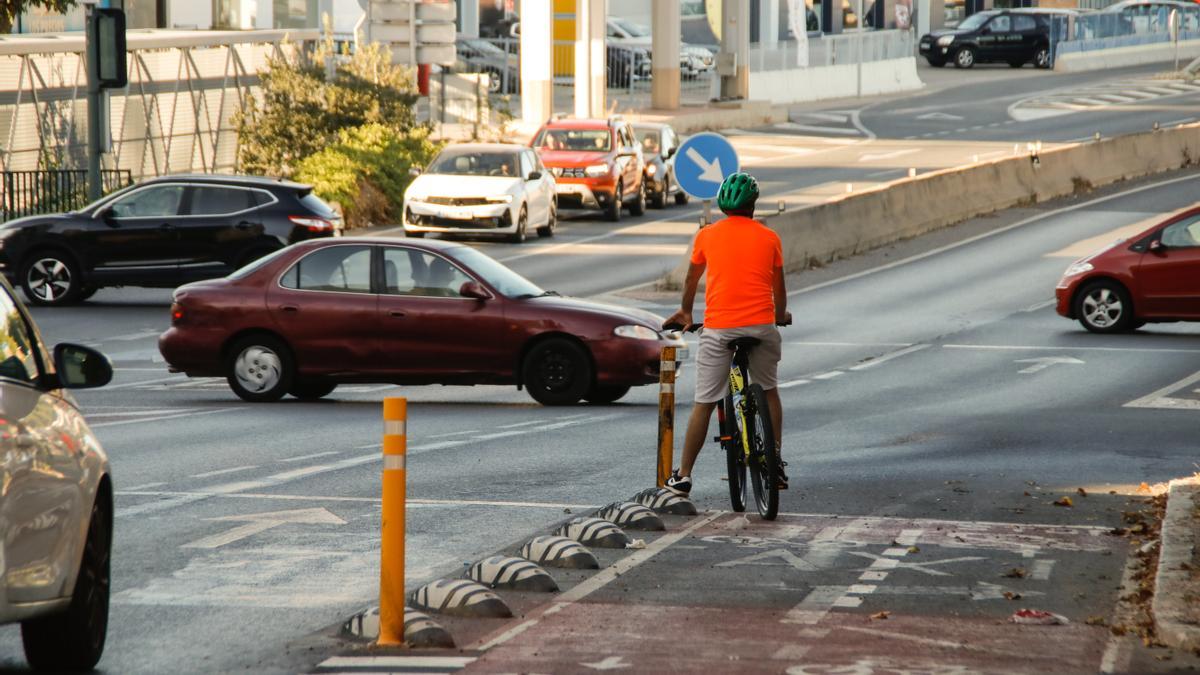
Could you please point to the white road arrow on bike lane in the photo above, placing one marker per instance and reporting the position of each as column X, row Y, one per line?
column 261, row 522
column 1045, row 362
column 610, row 663
column 709, row 171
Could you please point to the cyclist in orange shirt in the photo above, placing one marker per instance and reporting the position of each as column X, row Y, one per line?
column 744, row 296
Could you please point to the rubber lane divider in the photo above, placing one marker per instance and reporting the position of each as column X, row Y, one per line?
column 511, row 573
column 633, row 516
column 662, row 500
column 459, row 597
column 594, row 532
column 555, row 551
column 419, row 629
column 391, row 549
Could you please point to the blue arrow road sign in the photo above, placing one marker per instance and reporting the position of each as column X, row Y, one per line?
column 704, row 160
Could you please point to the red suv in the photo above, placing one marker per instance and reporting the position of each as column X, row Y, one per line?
column 597, row 164
column 1152, row 277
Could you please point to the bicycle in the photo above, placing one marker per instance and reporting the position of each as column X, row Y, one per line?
column 747, row 446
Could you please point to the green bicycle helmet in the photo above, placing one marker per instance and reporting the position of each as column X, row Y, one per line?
column 738, row 193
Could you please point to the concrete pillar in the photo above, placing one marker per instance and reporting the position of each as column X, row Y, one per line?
column 937, row 14
column 734, row 58
column 468, row 16
column 664, row 55
column 537, row 62
column 768, row 23
column 922, row 10
column 589, row 57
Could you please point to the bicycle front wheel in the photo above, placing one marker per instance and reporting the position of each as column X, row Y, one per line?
column 764, row 467
column 735, row 456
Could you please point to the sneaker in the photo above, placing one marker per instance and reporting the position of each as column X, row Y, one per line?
column 680, row 485
column 781, row 479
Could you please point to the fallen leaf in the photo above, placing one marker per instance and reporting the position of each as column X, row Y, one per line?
column 1097, row 621
column 880, row 616
column 1118, row 630
column 1009, row 595
column 1144, row 489
column 1015, row 573
column 1082, row 492
column 1065, row 501
column 1027, row 494
column 1037, row 617
column 913, row 549
column 1162, row 657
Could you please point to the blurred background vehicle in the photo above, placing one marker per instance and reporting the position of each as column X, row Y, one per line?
column 477, row 55
column 597, row 164
column 659, row 144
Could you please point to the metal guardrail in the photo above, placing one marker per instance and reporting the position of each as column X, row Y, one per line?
column 1097, row 31
column 832, row 50
column 26, row 193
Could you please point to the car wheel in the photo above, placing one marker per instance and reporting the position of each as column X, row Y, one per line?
column 638, row 206
column 603, row 394
column 1015, row 64
column 557, row 372
column 260, row 369
column 74, row 640
column 964, row 58
column 1104, row 307
column 547, row 230
column 312, row 390
column 415, row 235
column 1041, row 58
column 613, row 212
column 518, row 237
column 659, row 200
column 51, row 278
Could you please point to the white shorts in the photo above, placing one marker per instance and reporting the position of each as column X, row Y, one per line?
column 713, row 359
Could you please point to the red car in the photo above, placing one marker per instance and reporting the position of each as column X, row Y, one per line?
column 1152, row 277
column 320, row 313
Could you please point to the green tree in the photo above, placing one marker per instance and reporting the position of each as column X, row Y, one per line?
column 308, row 99
column 9, row 9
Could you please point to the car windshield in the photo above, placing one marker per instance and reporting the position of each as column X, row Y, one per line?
column 499, row 277
column 974, row 21
column 634, row 29
column 475, row 163
column 585, row 140
column 649, row 140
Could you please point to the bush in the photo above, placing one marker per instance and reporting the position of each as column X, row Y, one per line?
column 366, row 171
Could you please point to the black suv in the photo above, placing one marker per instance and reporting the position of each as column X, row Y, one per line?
column 162, row 233
column 1013, row 36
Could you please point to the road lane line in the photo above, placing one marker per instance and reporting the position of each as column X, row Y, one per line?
column 221, row 472
column 888, row 357
column 793, row 383
column 314, row 455
column 1149, row 400
column 984, row 235
column 849, row 344
column 144, row 486
column 1040, row 306
column 163, row 418
column 446, row 435
column 1068, row 348
column 520, row 424
column 604, row 577
column 828, row 376
column 366, row 500
column 129, row 385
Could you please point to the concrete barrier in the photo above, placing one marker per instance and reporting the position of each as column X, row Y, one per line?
column 857, row 222
column 714, row 115
column 1123, row 57
column 825, row 82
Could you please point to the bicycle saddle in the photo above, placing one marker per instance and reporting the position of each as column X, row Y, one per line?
column 744, row 343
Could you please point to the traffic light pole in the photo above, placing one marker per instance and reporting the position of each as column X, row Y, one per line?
column 94, row 100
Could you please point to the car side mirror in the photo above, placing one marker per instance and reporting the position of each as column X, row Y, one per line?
column 414, row 171
column 80, row 367
column 534, row 175
column 472, row 289
column 627, row 152
column 105, row 213
column 1156, row 246
column 669, row 153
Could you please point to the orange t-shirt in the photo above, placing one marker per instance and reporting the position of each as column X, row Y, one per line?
column 742, row 255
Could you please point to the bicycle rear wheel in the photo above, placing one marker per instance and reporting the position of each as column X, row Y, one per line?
column 735, row 456
column 764, row 468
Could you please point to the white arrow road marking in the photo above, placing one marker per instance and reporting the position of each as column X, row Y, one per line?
column 260, row 522
column 1045, row 362
column 710, row 172
column 610, row 663
column 938, row 116
column 876, row 156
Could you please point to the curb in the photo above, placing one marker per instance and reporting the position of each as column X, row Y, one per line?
column 1176, row 604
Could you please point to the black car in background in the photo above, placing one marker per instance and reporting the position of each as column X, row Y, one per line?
column 659, row 144
column 162, row 232
column 1012, row 36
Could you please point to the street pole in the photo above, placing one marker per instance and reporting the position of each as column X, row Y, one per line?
column 860, row 28
column 94, row 100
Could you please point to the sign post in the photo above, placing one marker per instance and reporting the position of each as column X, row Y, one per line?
column 104, row 46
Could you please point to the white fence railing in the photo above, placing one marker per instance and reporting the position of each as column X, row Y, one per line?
column 831, row 50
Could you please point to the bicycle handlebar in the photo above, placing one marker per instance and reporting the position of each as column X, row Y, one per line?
column 697, row 326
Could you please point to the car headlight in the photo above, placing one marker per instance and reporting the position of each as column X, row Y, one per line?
column 596, row 170
column 637, row 333
column 652, row 169
column 945, row 40
column 502, row 199
column 417, row 200
column 1078, row 268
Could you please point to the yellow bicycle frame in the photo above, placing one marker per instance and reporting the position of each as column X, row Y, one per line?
column 737, row 386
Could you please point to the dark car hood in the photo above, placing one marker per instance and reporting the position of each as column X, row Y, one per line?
column 33, row 221
column 629, row 315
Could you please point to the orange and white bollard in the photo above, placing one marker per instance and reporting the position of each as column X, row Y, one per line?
column 391, row 567
column 666, row 415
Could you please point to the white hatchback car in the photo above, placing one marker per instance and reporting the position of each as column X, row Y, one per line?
column 482, row 188
column 56, row 505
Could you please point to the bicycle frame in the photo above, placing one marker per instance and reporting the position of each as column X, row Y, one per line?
column 739, row 379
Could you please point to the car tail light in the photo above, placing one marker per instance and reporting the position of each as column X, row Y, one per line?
column 312, row 224
column 177, row 314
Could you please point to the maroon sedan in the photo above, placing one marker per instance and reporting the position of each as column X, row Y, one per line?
column 320, row 313
column 1152, row 277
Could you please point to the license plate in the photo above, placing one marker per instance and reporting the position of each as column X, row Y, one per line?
column 570, row 189
column 459, row 214
column 924, row 48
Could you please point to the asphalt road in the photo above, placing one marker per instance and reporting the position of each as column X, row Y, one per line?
column 898, row 378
